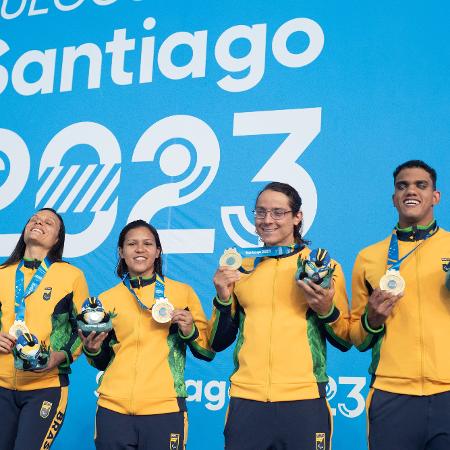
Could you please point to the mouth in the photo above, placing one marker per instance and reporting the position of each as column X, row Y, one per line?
column 411, row 202
column 268, row 229
column 37, row 230
column 140, row 259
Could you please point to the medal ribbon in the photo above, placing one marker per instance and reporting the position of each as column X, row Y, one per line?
column 263, row 252
column 21, row 293
column 393, row 261
column 159, row 290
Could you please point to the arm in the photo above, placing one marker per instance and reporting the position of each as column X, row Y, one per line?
column 331, row 307
column 196, row 334
column 362, row 334
column 64, row 336
column 224, row 323
column 98, row 349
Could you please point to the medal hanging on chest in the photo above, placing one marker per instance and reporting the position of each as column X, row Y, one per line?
column 392, row 281
column 28, row 353
column 161, row 309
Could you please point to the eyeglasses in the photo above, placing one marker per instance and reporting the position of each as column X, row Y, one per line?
column 276, row 213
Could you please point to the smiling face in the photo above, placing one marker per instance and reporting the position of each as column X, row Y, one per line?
column 139, row 252
column 276, row 231
column 42, row 230
column 414, row 197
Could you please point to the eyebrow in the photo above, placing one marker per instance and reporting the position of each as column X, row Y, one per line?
column 412, row 182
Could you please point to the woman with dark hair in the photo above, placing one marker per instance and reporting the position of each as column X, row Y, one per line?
column 142, row 394
column 281, row 322
column 39, row 296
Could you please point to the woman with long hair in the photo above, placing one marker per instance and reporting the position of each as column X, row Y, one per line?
column 39, row 295
column 281, row 323
column 142, row 394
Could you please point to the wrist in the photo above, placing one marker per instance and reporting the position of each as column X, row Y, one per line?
column 371, row 325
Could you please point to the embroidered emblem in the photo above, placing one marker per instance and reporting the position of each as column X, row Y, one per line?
column 47, row 293
column 45, row 409
column 174, row 441
column 320, row 441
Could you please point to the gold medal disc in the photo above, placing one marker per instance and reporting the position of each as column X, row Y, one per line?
column 231, row 258
column 392, row 282
column 18, row 328
column 161, row 311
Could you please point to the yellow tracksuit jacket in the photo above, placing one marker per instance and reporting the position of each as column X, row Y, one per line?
column 280, row 353
column 50, row 315
column 144, row 360
column 411, row 352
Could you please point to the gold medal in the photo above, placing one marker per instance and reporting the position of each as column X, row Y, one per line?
column 18, row 328
column 161, row 310
column 392, row 282
column 231, row 258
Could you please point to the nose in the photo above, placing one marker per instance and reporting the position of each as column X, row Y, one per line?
column 411, row 189
column 268, row 218
column 139, row 248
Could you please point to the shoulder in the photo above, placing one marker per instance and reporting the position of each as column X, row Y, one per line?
column 113, row 291
column 374, row 250
column 177, row 285
column 66, row 269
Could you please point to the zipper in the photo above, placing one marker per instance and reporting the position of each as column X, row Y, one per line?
column 269, row 377
column 137, row 356
column 420, row 322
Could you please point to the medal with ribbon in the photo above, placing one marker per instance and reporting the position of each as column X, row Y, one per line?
column 28, row 353
column 392, row 281
column 161, row 308
column 232, row 258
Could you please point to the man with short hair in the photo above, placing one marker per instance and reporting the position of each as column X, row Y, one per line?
column 401, row 311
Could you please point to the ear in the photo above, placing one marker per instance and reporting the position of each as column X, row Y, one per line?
column 436, row 197
column 298, row 218
column 120, row 253
column 393, row 201
column 158, row 252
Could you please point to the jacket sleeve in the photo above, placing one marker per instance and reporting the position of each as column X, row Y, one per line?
column 362, row 336
column 197, row 340
column 337, row 322
column 224, row 323
column 102, row 359
column 64, row 336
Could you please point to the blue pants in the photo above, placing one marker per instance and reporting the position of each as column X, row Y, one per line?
column 294, row 425
column 115, row 431
column 409, row 422
column 30, row 420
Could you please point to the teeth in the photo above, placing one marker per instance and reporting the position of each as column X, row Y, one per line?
column 411, row 202
column 36, row 229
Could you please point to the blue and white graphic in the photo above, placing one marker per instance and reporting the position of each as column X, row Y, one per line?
column 179, row 112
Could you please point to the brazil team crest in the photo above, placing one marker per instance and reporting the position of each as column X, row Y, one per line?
column 45, row 409
column 174, row 441
column 445, row 264
column 320, row 441
column 47, row 293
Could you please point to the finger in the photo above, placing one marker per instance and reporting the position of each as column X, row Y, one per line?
column 8, row 337
column 305, row 286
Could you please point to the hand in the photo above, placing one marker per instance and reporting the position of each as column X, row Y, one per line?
column 380, row 306
column 7, row 342
column 54, row 360
column 319, row 299
column 93, row 341
column 184, row 320
column 224, row 280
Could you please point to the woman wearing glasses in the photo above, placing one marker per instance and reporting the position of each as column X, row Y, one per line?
column 39, row 296
column 281, row 325
column 142, row 394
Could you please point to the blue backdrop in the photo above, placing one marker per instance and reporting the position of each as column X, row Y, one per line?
column 178, row 112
